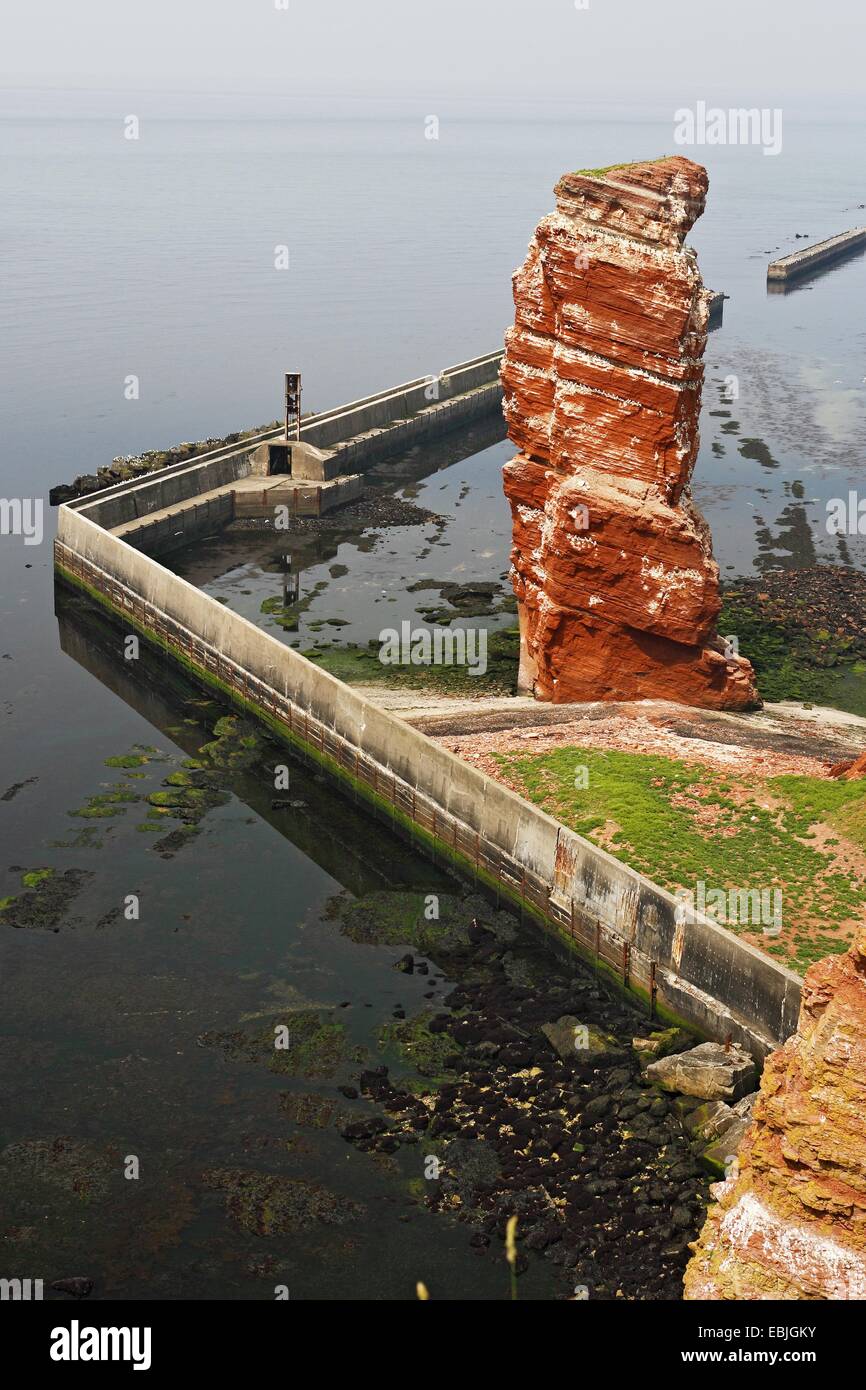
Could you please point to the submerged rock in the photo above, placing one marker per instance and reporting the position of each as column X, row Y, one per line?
column 305, row 1043
column 46, row 898
column 268, row 1204
column 78, row 1287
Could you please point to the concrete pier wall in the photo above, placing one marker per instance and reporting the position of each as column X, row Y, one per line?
column 694, row 972
column 360, row 433
column 823, row 253
column 186, row 524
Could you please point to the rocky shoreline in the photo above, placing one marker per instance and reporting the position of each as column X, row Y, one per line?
column 529, row 1098
column 128, row 466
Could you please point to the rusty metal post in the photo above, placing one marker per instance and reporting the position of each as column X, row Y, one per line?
column 293, row 405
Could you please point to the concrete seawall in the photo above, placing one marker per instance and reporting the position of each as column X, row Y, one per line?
column 694, row 972
column 161, row 511
column 357, row 434
column 817, row 256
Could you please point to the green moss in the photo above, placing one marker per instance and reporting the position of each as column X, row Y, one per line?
column 627, row 164
column 237, row 745
column 35, row 877
column 356, row 665
column 127, row 760
column 104, row 805
column 647, row 807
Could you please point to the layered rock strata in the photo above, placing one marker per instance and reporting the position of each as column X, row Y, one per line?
column 612, row 565
column 790, row 1220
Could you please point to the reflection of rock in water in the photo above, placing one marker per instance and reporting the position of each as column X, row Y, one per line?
column 794, row 539
column 757, row 449
column 791, row 405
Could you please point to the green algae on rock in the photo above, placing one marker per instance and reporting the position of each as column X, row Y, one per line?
column 312, row 1047
column 268, row 1204
column 429, row 922
column 237, row 744
column 427, row 1052
column 803, row 632
column 45, row 900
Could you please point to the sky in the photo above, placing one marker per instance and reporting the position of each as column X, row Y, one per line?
column 482, row 58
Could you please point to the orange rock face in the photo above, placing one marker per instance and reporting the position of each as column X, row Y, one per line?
column 851, row 769
column 612, row 565
column 790, row 1221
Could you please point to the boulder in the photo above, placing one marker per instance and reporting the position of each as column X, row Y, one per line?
column 710, row 1120
column 661, row 1043
column 710, row 1071
column 718, row 1156
column 576, row 1041
column 849, row 770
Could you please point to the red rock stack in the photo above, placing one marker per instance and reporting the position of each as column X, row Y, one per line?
column 617, row 589
column 790, row 1221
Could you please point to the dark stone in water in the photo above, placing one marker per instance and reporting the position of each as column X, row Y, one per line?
column 78, row 1287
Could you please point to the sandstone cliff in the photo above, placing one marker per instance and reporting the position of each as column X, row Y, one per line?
column 790, row 1223
column 612, row 565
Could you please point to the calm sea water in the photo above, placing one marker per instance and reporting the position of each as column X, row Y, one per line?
column 156, row 259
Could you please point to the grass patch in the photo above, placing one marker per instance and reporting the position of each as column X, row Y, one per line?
column 680, row 824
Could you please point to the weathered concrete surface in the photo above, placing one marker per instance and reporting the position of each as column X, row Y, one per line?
column 821, row 254
column 694, row 971
column 177, row 525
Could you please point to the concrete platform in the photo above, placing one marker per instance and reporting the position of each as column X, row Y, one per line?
column 170, row 527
